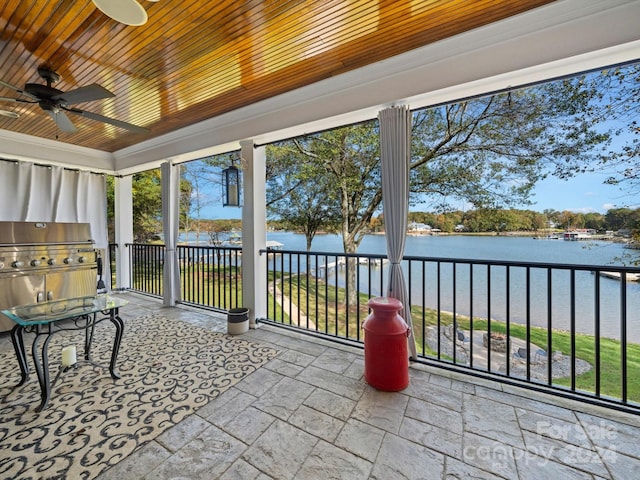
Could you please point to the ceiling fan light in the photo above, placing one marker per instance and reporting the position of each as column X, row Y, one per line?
column 9, row 113
column 129, row 12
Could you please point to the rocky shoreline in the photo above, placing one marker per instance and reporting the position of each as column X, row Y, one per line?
column 561, row 365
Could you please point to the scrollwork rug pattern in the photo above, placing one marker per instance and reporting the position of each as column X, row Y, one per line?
column 169, row 369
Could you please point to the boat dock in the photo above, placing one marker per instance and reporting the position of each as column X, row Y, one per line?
column 586, row 234
column 631, row 277
column 374, row 262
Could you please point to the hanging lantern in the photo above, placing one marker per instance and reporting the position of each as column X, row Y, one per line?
column 231, row 183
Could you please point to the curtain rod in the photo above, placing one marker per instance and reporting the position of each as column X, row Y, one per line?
column 328, row 129
column 69, row 169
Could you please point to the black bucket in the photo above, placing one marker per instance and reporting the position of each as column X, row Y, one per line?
column 237, row 321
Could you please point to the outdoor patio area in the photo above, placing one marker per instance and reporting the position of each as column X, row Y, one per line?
column 307, row 413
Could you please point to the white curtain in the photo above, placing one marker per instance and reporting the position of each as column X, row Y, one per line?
column 40, row 193
column 395, row 148
column 170, row 217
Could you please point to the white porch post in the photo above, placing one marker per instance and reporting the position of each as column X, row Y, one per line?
column 124, row 228
column 254, row 231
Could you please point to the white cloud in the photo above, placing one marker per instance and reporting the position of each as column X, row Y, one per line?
column 583, row 210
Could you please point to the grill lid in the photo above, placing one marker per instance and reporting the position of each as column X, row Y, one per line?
column 44, row 233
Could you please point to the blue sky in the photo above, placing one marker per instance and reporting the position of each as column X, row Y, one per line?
column 583, row 194
column 220, row 212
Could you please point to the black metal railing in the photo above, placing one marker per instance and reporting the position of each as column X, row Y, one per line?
column 145, row 268
column 311, row 291
column 566, row 328
column 111, row 252
column 210, row 276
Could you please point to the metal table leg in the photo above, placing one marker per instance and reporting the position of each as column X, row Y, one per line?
column 42, row 367
column 18, row 346
column 117, row 321
column 88, row 336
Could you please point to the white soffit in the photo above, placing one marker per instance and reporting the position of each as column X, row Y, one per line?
column 18, row 146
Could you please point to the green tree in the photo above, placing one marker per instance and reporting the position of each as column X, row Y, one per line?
column 147, row 205
column 553, row 218
column 376, row 224
column 146, row 191
column 594, row 220
column 445, row 221
column 305, row 201
column 199, row 177
column 538, row 220
column 567, row 220
column 620, row 218
column 487, row 151
column 111, row 209
column 490, row 151
column 348, row 158
column 620, row 102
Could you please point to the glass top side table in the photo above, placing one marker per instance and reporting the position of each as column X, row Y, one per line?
column 48, row 318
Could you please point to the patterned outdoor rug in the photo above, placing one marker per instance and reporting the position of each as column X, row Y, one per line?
column 169, row 369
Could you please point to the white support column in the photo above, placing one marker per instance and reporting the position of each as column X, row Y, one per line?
column 254, row 231
column 124, row 228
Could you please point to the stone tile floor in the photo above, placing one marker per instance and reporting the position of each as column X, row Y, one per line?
column 309, row 414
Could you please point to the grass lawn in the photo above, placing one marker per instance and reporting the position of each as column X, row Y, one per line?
column 585, row 347
column 327, row 303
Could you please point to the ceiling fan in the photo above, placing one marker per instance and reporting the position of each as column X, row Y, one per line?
column 56, row 102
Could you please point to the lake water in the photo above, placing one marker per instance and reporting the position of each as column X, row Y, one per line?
column 425, row 287
column 467, row 246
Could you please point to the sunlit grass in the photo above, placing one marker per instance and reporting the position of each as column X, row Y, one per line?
column 326, row 305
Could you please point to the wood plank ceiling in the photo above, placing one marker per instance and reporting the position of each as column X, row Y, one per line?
column 196, row 59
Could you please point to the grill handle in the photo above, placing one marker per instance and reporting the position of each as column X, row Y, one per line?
column 101, row 285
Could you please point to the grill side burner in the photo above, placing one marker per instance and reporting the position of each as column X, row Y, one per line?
column 45, row 261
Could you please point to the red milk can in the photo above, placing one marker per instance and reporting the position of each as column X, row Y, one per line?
column 386, row 358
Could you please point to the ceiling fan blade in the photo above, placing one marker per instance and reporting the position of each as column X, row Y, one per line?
column 16, row 100
column 62, row 121
column 19, row 90
column 83, row 94
column 111, row 121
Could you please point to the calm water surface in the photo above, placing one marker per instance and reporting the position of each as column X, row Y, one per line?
column 470, row 295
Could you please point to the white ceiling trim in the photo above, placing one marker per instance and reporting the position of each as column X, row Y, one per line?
column 18, row 146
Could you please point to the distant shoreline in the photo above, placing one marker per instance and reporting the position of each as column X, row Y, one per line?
column 525, row 234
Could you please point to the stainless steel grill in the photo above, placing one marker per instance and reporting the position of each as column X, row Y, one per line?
column 45, row 261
